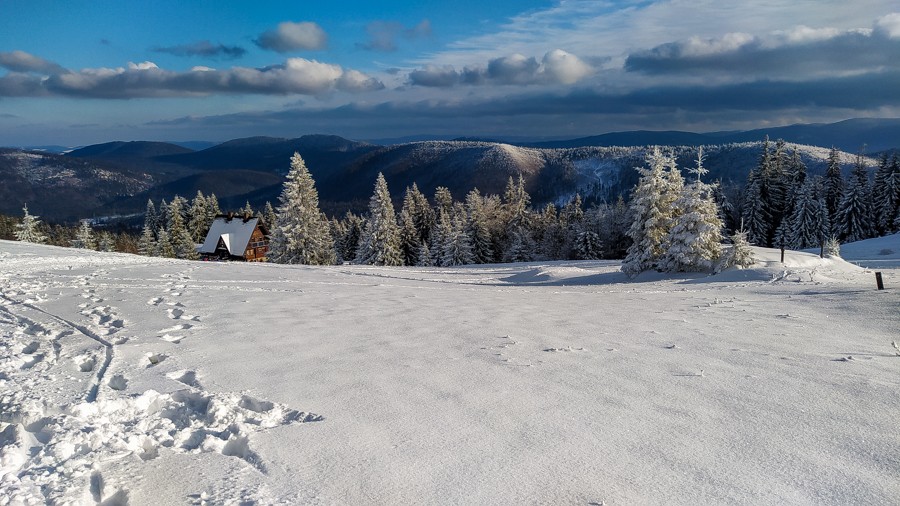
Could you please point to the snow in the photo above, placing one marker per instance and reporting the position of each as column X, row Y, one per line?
column 234, row 231
column 128, row 379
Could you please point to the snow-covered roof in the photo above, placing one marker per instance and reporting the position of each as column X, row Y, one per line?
column 234, row 232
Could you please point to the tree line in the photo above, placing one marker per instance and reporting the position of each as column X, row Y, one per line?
column 668, row 224
column 785, row 207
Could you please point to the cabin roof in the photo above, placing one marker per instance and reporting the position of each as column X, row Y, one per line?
column 234, row 232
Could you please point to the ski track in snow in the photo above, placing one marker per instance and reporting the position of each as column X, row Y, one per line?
column 56, row 454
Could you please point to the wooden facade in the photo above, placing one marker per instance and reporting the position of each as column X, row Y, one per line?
column 257, row 247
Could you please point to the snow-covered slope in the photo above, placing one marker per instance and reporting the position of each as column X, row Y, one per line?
column 126, row 379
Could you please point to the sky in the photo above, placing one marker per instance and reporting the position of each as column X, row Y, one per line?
column 89, row 71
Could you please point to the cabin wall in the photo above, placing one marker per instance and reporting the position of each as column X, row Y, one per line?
column 257, row 248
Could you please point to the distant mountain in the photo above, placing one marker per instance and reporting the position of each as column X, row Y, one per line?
column 321, row 152
column 629, row 139
column 62, row 188
column 133, row 149
column 850, row 135
column 119, row 177
column 52, row 148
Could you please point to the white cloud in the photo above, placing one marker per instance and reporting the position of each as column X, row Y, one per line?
column 889, row 25
column 565, row 68
column 556, row 67
column 290, row 36
column 296, row 76
column 20, row 61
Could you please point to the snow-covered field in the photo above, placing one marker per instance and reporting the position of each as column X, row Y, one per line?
column 126, row 379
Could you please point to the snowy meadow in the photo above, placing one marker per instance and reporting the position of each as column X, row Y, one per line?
column 136, row 380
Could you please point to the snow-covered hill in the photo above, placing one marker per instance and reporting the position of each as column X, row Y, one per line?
column 126, row 379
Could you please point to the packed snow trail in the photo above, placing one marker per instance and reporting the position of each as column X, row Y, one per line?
column 134, row 380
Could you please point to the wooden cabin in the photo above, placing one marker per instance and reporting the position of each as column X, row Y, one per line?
column 237, row 239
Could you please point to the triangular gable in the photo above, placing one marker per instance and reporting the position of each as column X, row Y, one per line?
column 236, row 234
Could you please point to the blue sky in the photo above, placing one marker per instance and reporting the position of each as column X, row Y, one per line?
column 82, row 72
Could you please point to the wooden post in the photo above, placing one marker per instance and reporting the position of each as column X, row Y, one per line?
column 879, row 281
column 782, row 254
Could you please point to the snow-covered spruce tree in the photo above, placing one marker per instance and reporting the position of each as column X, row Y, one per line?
column 301, row 234
column 181, row 240
column 755, row 215
column 783, row 237
column 247, row 211
column 197, row 224
column 833, row 186
column 424, row 255
column 694, row 243
column 269, row 216
column 28, row 230
column 588, row 246
column 521, row 246
column 212, row 208
column 832, row 247
column 854, row 213
column 147, row 242
column 740, row 254
column 809, row 222
column 164, row 247
column 457, row 244
column 415, row 202
column 353, row 229
column 478, row 228
column 106, row 242
column 380, row 242
column 652, row 208
column 613, row 228
column 84, row 238
column 152, row 219
column 886, row 193
column 409, row 238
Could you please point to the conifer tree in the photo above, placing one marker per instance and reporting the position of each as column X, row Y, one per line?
column 478, row 228
column 301, row 234
column 755, row 215
column 106, row 243
column 588, row 245
column 28, row 230
column 380, row 243
column 809, row 222
column 269, row 216
column 854, row 214
column 353, row 229
column 613, row 230
column 424, row 255
column 84, row 238
column 197, row 224
column 409, row 238
column 181, row 240
column 147, row 242
column 164, row 247
column 833, row 186
column 886, row 193
column 694, row 242
column 740, row 254
column 832, row 247
column 521, row 246
column 247, row 211
column 152, row 219
column 443, row 200
column 457, row 244
column 652, row 212
column 212, row 208
column 416, row 204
